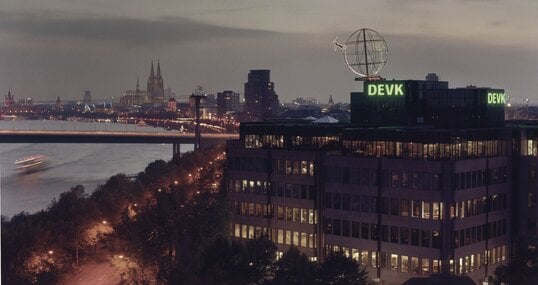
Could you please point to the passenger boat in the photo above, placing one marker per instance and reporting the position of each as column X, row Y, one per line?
column 30, row 164
column 141, row 123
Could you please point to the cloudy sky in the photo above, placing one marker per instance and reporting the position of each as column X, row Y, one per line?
column 51, row 48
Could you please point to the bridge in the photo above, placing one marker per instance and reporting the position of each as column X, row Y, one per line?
column 41, row 136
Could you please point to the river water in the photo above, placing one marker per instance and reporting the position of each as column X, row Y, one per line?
column 69, row 164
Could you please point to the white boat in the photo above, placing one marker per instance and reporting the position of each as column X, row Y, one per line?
column 32, row 163
column 141, row 123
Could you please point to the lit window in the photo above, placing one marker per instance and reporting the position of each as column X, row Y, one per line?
column 415, row 268
column 394, row 262
column 237, row 232
column 288, row 237
column 296, row 238
column 280, row 238
column 405, row 263
column 425, row 210
column 304, row 240
column 425, row 266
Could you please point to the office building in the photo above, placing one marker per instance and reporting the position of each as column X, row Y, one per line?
column 261, row 101
column 227, row 101
column 426, row 179
column 172, row 105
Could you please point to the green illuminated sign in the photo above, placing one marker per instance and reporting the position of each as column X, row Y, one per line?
column 385, row 89
column 496, row 98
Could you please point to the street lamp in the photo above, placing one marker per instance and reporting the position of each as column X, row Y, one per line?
column 104, row 222
column 51, row 251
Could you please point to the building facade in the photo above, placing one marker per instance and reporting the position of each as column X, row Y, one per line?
column 410, row 195
column 261, row 101
column 227, row 101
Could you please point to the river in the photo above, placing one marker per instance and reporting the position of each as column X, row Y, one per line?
column 69, row 164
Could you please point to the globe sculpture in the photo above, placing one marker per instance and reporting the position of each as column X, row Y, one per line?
column 365, row 53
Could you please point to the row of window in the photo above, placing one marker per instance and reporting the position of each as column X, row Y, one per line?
column 479, row 233
column 254, row 164
column 247, row 231
column 421, row 266
column 306, row 240
column 393, row 234
column 249, row 186
column 474, row 207
column 389, row 206
column 475, row 261
column 298, row 215
column 251, row 209
column 390, row 261
column 295, row 167
column 479, row 178
column 389, row 178
column 288, row 214
column 295, row 191
column 430, row 151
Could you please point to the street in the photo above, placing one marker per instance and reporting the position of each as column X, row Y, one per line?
column 97, row 272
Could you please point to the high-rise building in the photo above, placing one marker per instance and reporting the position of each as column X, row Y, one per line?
column 261, row 101
column 227, row 101
column 87, row 97
column 172, row 105
column 155, row 85
column 429, row 180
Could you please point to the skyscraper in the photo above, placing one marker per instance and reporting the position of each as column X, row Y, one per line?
column 227, row 101
column 155, row 85
column 261, row 101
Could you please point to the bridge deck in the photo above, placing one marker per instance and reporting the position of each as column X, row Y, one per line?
column 39, row 136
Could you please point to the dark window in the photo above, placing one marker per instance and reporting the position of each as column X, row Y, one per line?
column 426, row 179
column 373, row 204
column 436, row 239
column 289, row 188
column 404, row 208
column 304, row 192
column 355, row 203
column 365, row 230
column 415, row 180
column 395, row 179
column 346, row 177
column 355, row 175
column 385, row 206
column 337, row 201
column 312, row 192
column 414, row 236
column 394, row 234
column 435, row 182
column 365, row 176
column 345, row 228
column 404, row 235
column 328, row 200
column 385, row 233
column 425, row 238
column 355, row 229
column 346, row 200
column 365, row 204
column 328, row 226
column 296, row 191
column 337, row 227
column 405, row 179
column 394, row 207
column 456, row 181
column 375, row 232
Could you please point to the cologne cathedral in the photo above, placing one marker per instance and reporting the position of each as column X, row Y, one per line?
column 155, row 89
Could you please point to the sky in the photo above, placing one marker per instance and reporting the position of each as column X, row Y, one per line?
column 52, row 48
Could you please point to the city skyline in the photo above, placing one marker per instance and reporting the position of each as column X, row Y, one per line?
column 62, row 48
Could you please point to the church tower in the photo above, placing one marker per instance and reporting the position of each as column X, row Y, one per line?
column 155, row 88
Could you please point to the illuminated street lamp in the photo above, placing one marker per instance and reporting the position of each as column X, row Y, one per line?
column 104, row 222
column 176, row 182
column 51, row 251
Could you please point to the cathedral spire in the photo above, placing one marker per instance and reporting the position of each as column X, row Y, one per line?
column 158, row 69
column 152, row 73
column 137, row 84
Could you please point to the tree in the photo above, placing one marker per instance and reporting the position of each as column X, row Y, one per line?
column 338, row 269
column 294, row 269
column 523, row 268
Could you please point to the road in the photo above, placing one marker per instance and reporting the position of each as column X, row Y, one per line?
column 98, row 272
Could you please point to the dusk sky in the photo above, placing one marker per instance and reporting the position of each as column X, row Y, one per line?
column 51, row 48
